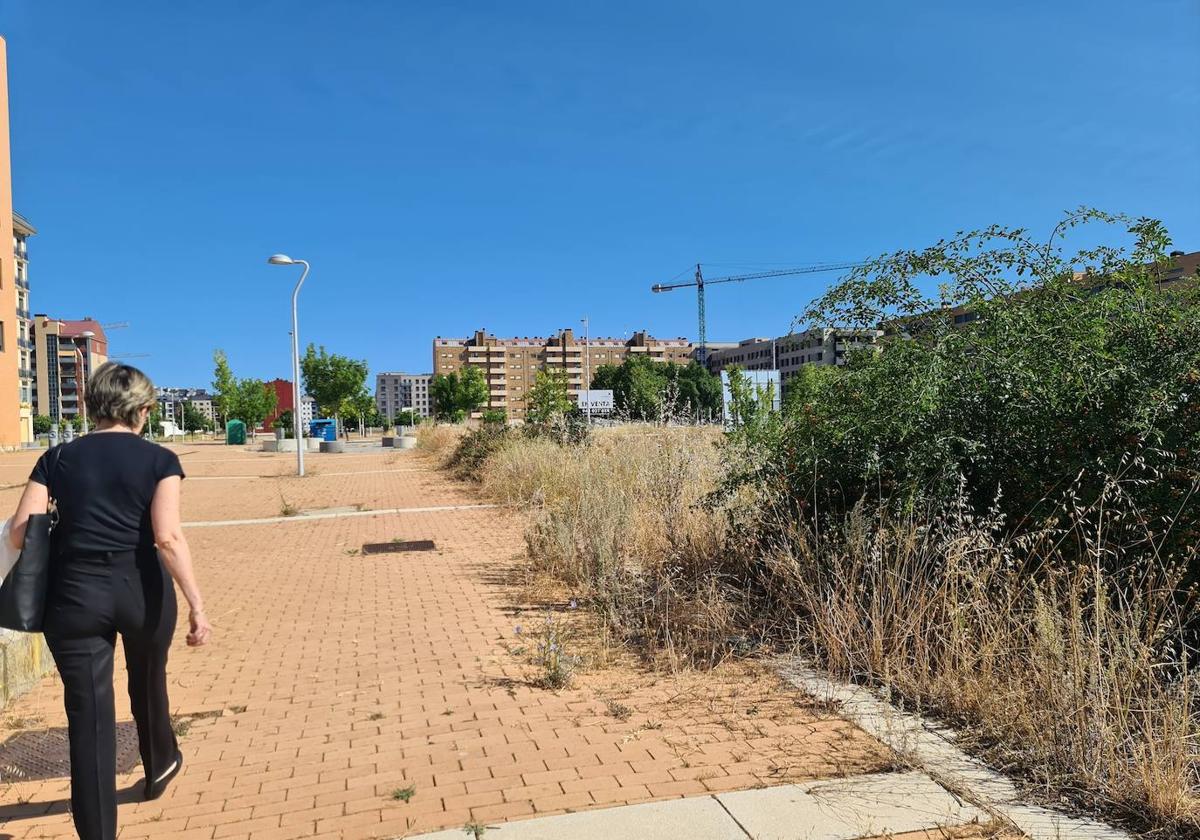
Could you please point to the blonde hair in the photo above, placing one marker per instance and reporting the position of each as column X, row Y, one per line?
column 117, row 393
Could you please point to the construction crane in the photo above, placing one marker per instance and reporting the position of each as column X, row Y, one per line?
column 115, row 325
column 700, row 282
column 130, row 356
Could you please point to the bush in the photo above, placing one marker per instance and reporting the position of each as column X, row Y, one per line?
column 475, row 447
column 438, row 440
column 1058, row 381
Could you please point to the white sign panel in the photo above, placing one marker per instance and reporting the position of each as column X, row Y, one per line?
column 600, row 401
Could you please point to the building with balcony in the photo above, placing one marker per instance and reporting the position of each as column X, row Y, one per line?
column 64, row 355
column 510, row 365
column 789, row 353
column 170, row 402
column 16, row 422
column 22, row 230
column 399, row 392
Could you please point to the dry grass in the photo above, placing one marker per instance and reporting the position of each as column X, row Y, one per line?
column 1055, row 667
column 1061, row 673
column 438, row 439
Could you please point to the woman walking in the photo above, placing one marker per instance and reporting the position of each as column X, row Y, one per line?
column 117, row 500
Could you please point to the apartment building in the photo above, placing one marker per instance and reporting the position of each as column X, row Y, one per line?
column 11, row 424
column 22, row 230
column 170, row 400
column 284, row 401
column 397, row 392
column 64, row 355
column 510, row 365
column 789, row 353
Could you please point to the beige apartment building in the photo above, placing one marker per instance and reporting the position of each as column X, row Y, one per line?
column 64, row 354
column 789, row 353
column 510, row 365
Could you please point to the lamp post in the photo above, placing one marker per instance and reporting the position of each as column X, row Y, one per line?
column 587, row 366
column 283, row 259
column 80, row 379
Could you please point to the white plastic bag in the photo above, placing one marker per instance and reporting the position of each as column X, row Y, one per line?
column 8, row 554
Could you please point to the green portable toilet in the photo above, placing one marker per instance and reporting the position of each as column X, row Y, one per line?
column 235, row 432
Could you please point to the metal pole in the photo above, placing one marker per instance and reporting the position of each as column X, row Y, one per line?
column 296, row 373
column 81, row 380
column 587, row 366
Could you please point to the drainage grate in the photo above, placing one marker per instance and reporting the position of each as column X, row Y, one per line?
column 46, row 753
column 398, row 547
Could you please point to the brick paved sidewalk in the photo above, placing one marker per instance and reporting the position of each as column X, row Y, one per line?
column 339, row 682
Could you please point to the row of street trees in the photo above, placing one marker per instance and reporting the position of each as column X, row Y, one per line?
column 643, row 389
column 250, row 400
column 337, row 383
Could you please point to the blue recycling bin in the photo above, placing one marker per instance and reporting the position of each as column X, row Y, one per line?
column 323, row 429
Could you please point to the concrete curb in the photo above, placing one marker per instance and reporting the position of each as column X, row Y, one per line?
column 24, row 660
column 828, row 809
column 932, row 749
column 309, row 517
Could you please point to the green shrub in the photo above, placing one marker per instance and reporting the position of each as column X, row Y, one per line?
column 476, row 447
column 1061, row 385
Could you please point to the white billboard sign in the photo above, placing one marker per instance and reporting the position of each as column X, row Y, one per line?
column 599, row 401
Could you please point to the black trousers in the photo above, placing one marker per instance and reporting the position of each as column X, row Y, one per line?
column 92, row 599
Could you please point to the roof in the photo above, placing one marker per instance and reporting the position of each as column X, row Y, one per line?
column 73, row 329
column 22, row 224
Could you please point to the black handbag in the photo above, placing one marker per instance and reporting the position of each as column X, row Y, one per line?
column 23, row 593
column 25, row 589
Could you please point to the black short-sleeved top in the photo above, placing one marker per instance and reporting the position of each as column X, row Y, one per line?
column 103, row 484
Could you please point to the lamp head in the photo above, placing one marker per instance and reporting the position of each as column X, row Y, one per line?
column 87, row 334
column 657, row 287
column 281, row 259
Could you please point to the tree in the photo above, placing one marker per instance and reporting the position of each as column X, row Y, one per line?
column 644, row 389
column 331, row 379
column 361, row 410
column 284, row 421
column 225, row 387
column 256, row 401
column 42, row 424
column 549, row 399
column 153, row 421
column 194, row 418
column 456, row 395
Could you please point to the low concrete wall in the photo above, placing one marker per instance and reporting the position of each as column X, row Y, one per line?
column 24, row 659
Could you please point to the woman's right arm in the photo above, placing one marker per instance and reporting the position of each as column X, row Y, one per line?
column 34, row 500
column 176, row 556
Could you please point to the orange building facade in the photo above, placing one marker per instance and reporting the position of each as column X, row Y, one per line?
column 10, row 349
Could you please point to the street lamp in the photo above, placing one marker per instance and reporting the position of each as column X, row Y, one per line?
column 87, row 336
column 587, row 366
column 283, row 259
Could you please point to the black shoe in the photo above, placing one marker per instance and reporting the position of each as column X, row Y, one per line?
column 156, row 787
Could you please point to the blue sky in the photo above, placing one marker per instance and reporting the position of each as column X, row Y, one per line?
column 518, row 165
